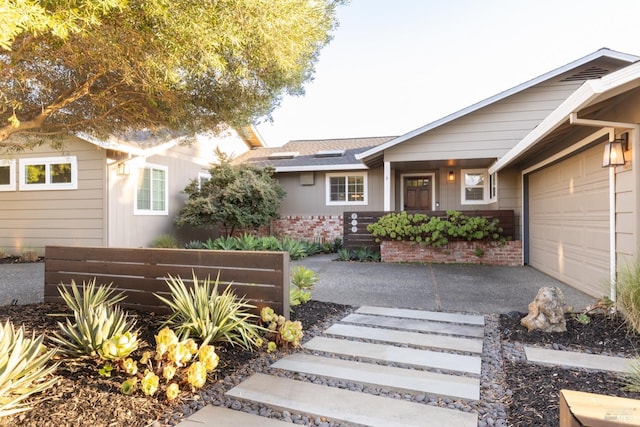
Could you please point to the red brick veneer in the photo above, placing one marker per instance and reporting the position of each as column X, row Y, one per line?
column 454, row 252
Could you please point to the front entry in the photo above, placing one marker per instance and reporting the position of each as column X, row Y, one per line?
column 417, row 193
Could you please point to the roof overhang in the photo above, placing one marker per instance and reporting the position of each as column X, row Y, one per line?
column 591, row 92
column 502, row 95
column 116, row 145
column 321, row 168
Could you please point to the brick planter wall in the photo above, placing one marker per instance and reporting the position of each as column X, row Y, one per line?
column 315, row 228
column 454, row 252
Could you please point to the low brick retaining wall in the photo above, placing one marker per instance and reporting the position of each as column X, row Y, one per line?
column 315, row 228
column 509, row 253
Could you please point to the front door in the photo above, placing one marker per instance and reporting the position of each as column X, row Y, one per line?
column 417, row 193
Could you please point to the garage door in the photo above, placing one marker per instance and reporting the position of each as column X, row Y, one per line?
column 569, row 222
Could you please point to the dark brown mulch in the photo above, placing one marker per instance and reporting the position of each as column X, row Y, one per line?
column 84, row 398
column 536, row 388
column 17, row 260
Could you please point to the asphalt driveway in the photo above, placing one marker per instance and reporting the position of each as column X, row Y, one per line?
column 458, row 287
column 465, row 288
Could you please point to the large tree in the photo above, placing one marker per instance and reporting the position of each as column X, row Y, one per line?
column 104, row 66
column 237, row 196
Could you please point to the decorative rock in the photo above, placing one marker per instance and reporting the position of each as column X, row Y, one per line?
column 546, row 311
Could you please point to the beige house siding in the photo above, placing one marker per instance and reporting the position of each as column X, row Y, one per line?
column 311, row 199
column 489, row 132
column 36, row 218
column 126, row 229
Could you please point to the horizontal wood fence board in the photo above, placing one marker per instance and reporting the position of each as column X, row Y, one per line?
column 262, row 278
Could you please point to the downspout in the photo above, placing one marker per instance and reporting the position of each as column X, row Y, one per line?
column 612, row 126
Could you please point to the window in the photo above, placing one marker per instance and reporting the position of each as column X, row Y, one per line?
column 346, row 189
column 202, row 178
column 478, row 187
column 50, row 173
column 7, row 175
column 151, row 191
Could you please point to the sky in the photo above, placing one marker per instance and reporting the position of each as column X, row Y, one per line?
column 396, row 65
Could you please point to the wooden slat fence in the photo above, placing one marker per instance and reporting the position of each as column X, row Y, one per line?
column 355, row 233
column 262, row 277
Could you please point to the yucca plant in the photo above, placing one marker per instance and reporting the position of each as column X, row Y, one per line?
column 97, row 320
column 201, row 312
column 23, row 369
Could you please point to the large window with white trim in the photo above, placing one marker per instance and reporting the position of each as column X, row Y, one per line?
column 152, row 189
column 348, row 188
column 478, row 187
column 7, row 175
column 49, row 173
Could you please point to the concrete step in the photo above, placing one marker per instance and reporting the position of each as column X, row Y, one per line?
column 390, row 353
column 344, row 405
column 416, row 325
column 577, row 360
column 399, row 379
column 438, row 316
column 471, row 345
column 219, row 416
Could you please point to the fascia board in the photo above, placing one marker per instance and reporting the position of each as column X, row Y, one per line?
column 321, row 168
column 498, row 97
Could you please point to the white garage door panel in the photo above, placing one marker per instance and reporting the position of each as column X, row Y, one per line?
column 569, row 222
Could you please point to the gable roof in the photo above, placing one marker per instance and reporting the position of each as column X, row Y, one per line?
column 313, row 155
column 592, row 72
column 590, row 93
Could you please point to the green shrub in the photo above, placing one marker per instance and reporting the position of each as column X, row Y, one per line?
column 194, row 244
column 201, row 312
column 344, row 254
column 303, row 281
column 434, row 231
column 247, row 242
column 628, row 294
column 23, row 369
column 165, row 241
column 97, row 321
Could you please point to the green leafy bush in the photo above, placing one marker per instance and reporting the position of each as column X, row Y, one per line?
column 23, row 369
column 434, row 231
column 201, row 312
column 98, row 322
column 303, row 281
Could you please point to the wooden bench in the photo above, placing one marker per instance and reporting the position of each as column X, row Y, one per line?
column 580, row 409
column 262, row 277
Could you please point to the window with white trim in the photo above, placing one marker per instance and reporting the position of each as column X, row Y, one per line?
column 49, row 173
column 7, row 175
column 152, row 189
column 346, row 188
column 478, row 187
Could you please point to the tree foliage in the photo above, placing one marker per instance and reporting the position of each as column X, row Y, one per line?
column 236, row 197
column 105, row 66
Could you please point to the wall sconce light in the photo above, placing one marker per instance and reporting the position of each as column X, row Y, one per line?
column 451, row 177
column 123, row 169
column 614, row 151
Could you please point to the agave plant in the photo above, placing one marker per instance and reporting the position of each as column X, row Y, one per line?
column 23, row 369
column 303, row 281
column 247, row 242
column 97, row 320
column 295, row 248
column 228, row 243
column 212, row 317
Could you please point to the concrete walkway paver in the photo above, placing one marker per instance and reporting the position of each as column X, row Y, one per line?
column 439, row 316
column 344, row 405
column 576, row 359
column 219, row 416
column 399, row 379
column 416, row 325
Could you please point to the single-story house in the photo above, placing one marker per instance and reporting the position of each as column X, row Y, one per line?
column 119, row 192
column 536, row 149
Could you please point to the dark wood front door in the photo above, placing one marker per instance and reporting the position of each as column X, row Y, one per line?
column 417, row 193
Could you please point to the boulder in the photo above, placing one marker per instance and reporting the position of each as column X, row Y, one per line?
column 546, row 311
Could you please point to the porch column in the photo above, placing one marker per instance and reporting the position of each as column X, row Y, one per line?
column 387, row 186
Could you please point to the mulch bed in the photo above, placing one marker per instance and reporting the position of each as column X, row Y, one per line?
column 84, row 398
column 536, row 388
